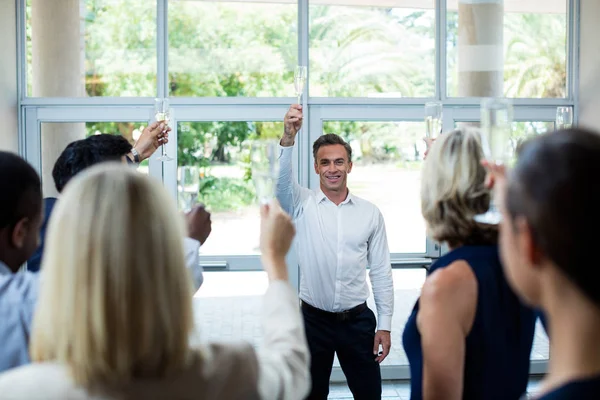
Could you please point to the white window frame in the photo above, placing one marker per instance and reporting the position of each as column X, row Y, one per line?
column 35, row 111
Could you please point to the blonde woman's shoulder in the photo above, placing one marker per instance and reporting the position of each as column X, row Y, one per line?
column 46, row 381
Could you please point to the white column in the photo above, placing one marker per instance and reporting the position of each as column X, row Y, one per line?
column 57, row 72
column 480, row 48
column 589, row 65
column 9, row 137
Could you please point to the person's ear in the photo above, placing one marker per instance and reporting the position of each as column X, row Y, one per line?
column 19, row 232
column 316, row 169
column 350, row 167
column 526, row 242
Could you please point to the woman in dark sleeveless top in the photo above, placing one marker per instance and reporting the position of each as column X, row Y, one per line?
column 468, row 336
column 549, row 237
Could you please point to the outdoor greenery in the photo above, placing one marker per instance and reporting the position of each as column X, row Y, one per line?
column 218, row 49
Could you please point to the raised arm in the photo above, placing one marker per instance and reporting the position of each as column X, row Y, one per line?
column 383, row 286
column 199, row 226
column 283, row 359
column 289, row 193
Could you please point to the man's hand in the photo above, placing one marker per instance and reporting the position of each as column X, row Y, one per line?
column 198, row 223
column 384, row 339
column 152, row 137
column 292, row 123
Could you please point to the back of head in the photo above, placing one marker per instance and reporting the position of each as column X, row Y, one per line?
column 116, row 300
column 553, row 186
column 20, row 195
column 84, row 153
column 452, row 190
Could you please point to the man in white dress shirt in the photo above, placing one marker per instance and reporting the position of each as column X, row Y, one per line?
column 339, row 235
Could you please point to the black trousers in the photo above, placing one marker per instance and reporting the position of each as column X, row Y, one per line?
column 352, row 339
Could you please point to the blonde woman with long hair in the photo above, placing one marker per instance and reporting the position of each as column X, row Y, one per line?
column 115, row 310
column 468, row 336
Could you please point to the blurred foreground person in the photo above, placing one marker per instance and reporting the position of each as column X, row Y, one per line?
column 113, row 323
column 469, row 336
column 550, row 216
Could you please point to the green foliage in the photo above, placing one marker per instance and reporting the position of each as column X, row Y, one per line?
column 218, row 49
column 226, row 194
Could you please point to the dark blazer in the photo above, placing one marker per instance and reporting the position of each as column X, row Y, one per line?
column 34, row 262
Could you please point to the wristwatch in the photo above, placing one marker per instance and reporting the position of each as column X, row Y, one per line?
column 136, row 155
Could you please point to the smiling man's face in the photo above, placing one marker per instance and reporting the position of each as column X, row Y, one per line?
column 333, row 167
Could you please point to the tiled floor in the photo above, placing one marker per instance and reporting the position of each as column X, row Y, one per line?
column 394, row 390
column 228, row 307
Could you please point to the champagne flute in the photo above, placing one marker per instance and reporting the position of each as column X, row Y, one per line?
column 564, row 118
column 496, row 132
column 433, row 119
column 264, row 161
column 188, row 185
column 162, row 113
column 299, row 81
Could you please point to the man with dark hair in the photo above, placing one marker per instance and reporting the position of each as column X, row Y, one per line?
column 339, row 236
column 20, row 220
column 92, row 150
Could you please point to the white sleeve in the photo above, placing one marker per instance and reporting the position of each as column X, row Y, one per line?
column 283, row 358
column 381, row 274
column 289, row 193
column 192, row 260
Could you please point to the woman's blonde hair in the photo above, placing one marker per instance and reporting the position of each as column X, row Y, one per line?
column 116, row 298
column 453, row 191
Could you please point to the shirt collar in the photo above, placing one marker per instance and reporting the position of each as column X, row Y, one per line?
column 4, row 270
column 349, row 199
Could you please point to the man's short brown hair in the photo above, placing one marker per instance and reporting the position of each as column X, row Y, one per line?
column 330, row 139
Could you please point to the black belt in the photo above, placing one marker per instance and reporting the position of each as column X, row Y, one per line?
column 339, row 316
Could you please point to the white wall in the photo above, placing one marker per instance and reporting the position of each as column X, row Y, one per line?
column 8, row 77
column 589, row 65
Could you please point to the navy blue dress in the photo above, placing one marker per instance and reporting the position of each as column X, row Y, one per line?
column 585, row 389
column 498, row 346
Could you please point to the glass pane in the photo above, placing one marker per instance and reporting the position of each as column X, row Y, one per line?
column 221, row 151
column 228, row 306
column 372, row 50
column 55, row 136
column 78, row 48
column 220, row 48
column 387, row 160
column 515, row 50
column 541, row 344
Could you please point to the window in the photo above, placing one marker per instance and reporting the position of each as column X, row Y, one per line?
column 387, row 158
column 530, row 61
column 221, row 49
column 227, row 67
column 91, row 48
column 221, row 151
column 371, row 50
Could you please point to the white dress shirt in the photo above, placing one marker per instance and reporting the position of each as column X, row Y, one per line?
column 335, row 244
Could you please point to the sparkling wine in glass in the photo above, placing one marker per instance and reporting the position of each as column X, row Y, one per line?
column 299, row 81
column 162, row 113
column 496, row 135
column 264, row 161
column 564, row 118
column 188, row 185
column 433, row 119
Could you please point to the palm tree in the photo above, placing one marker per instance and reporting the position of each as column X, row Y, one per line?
column 535, row 59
